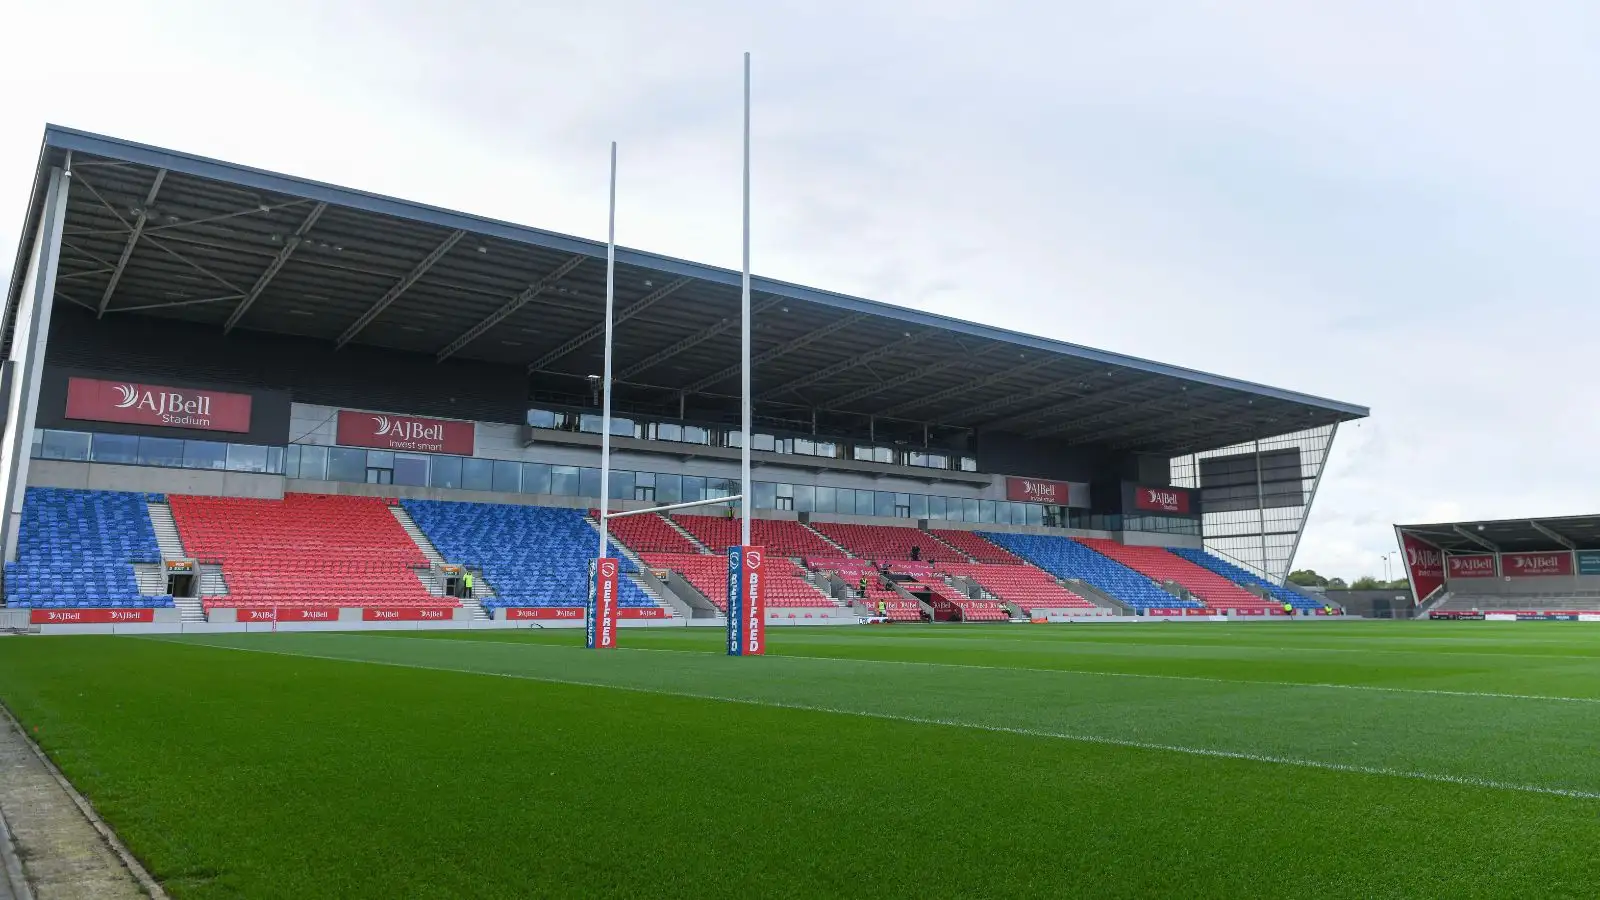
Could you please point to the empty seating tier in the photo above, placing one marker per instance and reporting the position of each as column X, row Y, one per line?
column 1242, row 576
column 77, row 548
column 1156, row 562
column 530, row 555
column 648, row 533
column 785, row 586
column 895, row 607
column 1066, row 558
column 780, row 536
column 886, row 542
column 973, row 544
column 1023, row 585
column 305, row 550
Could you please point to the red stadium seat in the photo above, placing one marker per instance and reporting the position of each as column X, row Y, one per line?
column 1212, row 589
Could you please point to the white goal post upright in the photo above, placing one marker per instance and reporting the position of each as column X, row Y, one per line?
column 744, row 332
column 605, row 380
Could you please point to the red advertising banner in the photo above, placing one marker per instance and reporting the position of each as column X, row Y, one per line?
column 1535, row 565
column 600, row 613
column 290, row 614
column 520, row 613
column 94, row 400
column 1168, row 613
column 1037, row 490
column 90, row 616
column 418, row 614
column 1424, row 566
column 1166, row 500
column 1476, row 566
column 406, row 433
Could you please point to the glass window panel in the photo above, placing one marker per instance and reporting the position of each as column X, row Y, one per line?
column 969, row 511
column 968, row 464
column 347, row 464
column 805, row 447
column 477, row 474
column 445, row 472
column 828, row 449
column 622, row 484
column 694, row 488
column 291, row 460
column 590, row 423
column 805, row 498
column 542, row 418
column 565, row 481
column 507, row 476
column 411, row 469
column 623, row 427
column 883, row 454
column 669, row 488
column 825, row 499
column 644, row 479
column 718, row 487
column 38, row 443
column 669, row 431
column 883, row 501
column 864, row 503
column 74, row 445
column 589, row 482
column 247, row 458
column 205, row 455
column 763, row 442
column 275, row 460
column 785, row 490
column 115, row 448
column 919, row 506
column 693, row 434
column 735, row 439
column 160, row 452
column 862, row 453
column 314, row 463
column 986, row 511
column 536, row 478
column 766, row 494
column 936, row 508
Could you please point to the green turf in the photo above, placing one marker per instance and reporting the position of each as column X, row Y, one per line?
column 1270, row 760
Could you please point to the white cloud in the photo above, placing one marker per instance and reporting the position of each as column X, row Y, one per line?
column 1378, row 203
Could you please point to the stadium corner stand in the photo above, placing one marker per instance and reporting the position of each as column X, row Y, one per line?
column 1513, row 570
column 241, row 399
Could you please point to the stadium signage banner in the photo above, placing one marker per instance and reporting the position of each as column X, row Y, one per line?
column 1050, row 493
column 289, row 614
column 1472, row 614
column 1535, row 565
column 1476, row 566
column 1424, row 566
column 90, row 616
column 1588, row 562
column 600, row 612
column 419, row 614
column 747, row 606
column 1169, row 500
column 406, row 433
column 527, row 613
column 93, row 400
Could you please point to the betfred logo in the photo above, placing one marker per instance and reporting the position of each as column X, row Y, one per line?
column 1536, row 565
column 405, row 433
column 1167, row 500
column 608, row 568
column 131, row 403
column 600, row 612
column 747, row 608
column 1478, row 566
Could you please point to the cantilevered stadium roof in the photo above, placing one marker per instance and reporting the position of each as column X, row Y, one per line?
column 160, row 233
column 1511, row 535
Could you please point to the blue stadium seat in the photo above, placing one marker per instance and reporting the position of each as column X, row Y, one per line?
column 530, row 555
column 1066, row 558
column 77, row 548
column 1243, row 576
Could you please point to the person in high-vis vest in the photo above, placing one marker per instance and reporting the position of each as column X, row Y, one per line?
column 883, row 610
column 862, row 587
column 466, row 584
column 1288, row 608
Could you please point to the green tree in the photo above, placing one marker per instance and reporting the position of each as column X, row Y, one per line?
column 1337, row 584
column 1368, row 583
column 1307, row 578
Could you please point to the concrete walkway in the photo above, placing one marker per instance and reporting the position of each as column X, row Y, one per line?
column 62, row 854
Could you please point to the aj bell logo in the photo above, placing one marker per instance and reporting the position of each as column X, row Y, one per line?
column 1164, row 499
column 162, row 403
column 1424, row 559
column 408, row 429
column 1472, row 563
column 1040, row 489
column 1535, row 563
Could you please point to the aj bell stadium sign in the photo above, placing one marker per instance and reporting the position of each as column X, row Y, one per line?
column 127, row 402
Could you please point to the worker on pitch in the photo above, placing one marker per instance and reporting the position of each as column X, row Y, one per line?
column 466, row 584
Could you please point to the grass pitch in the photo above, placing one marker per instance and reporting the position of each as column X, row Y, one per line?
column 1269, row 760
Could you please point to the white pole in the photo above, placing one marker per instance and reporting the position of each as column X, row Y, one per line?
column 605, row 383
column 744, row 327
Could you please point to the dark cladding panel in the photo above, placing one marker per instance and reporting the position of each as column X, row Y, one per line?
column 165, row 351
column 1015, row 455
column 1233, row 483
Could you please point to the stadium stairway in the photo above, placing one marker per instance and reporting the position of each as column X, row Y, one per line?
column 190, row 609
column 431, row 578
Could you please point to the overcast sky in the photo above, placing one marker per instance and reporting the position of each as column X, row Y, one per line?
column 1385, row 203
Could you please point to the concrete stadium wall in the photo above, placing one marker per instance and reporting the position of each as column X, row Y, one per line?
column 149, row 479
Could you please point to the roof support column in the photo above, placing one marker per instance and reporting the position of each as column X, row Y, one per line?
column 24, row 368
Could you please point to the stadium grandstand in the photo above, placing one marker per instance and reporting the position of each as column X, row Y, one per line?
column 235, row 396
column 1505, row 570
